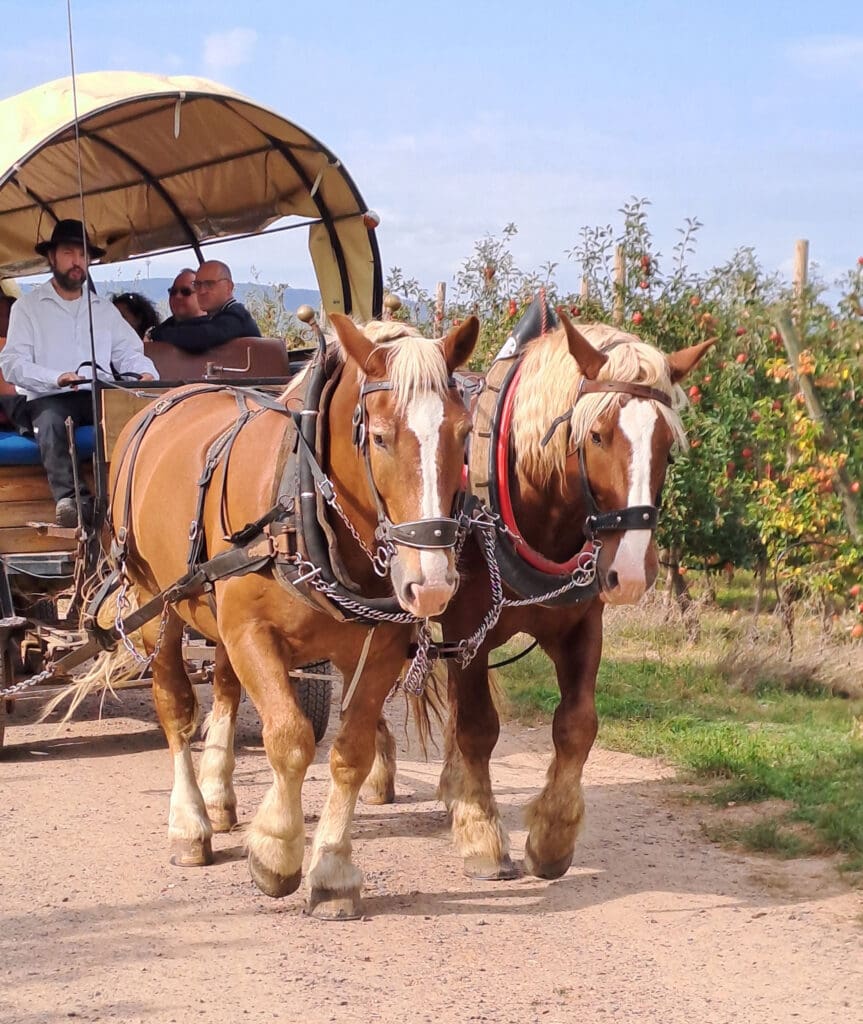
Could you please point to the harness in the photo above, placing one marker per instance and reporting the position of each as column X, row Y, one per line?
column 292, row 538
column 526, row 571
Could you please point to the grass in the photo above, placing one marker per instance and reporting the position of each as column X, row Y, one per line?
column 721, row 710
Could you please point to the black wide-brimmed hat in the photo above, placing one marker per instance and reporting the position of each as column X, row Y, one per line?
column 68, row 231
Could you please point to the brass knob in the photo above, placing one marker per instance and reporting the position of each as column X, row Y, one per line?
column 306, row 314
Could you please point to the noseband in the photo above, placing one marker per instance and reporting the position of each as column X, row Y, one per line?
column 635, row 517
column 434, row 533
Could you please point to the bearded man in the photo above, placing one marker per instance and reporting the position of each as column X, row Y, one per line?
column 48, row 347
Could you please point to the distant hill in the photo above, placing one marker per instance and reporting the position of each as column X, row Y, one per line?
column 156, row 289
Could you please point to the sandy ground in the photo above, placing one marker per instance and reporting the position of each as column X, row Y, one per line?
column 651, row 923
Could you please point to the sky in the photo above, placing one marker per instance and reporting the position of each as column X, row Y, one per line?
column 457, row 118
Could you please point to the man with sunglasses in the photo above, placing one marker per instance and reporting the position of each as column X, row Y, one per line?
column 224, row 317
column 183, row 300
column 48, row 356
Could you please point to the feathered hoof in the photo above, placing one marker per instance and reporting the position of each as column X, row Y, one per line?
column 376, row 798
column 335, row 904
column 485, row 869
column 549, row 869
column 223, row 819
column 191, row 853
column 270, row 882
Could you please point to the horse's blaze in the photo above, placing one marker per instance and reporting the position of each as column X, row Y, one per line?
column 632, row 569
column 424, row 580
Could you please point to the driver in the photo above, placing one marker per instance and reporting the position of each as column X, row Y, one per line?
column 47, row 355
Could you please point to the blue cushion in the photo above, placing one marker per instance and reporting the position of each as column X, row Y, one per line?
column 16, row 450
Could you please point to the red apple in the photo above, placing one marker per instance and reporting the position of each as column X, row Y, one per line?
column 755, row 416
column 637, row 317
column 741, row 358
column 855, row 486
column 747, row 453
column 740, row 332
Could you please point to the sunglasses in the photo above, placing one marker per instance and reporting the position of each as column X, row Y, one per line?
column 185, row 292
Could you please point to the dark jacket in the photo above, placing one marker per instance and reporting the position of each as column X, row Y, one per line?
column 233, row 320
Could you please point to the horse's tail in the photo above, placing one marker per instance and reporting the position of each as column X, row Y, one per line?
column 427, row 708
column 108, row 669
column 431, row 705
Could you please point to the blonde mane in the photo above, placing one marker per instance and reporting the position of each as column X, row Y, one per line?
column 415, row 364
column 549, row 385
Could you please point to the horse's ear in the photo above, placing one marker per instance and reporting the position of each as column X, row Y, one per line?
column 459, row 344
column 590, row 360
column 682, row 362
column 354, row 342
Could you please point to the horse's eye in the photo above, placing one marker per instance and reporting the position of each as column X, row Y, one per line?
column 378, row 441
column 595, row 437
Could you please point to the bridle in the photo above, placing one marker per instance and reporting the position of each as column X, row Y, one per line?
column 433, row 533
column 634, row 517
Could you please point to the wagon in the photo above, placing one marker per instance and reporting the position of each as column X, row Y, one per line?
column 161, row 165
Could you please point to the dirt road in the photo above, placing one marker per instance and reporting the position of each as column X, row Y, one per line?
column 651, row 923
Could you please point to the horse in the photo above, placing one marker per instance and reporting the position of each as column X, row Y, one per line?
column 576, row 435
column 387, row 472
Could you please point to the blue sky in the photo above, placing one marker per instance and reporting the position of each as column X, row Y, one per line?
column 456, row 118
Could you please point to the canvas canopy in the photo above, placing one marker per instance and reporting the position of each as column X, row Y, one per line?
column 170, row 162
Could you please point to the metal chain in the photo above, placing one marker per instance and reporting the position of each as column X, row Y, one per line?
column 25, row 684
column 123, row 607
column 489, row 524
column 414, row 681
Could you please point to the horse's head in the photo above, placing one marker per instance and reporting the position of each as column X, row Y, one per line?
column 410, row 424
column 624, row 426
column 609, row 449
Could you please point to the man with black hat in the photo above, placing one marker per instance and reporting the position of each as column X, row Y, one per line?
column 48, row 355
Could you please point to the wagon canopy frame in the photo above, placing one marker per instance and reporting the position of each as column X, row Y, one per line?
column 174, row 162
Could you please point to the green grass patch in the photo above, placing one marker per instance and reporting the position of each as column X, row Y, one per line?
column 762, row 743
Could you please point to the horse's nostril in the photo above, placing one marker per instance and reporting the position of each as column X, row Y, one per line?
column 612, row 580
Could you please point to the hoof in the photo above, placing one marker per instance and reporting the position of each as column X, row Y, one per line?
column 550, row 870
column 191, row 853
column 376, row 799
column 335, row 904
column 223, row 819
column 272, row 884
column 486, row 870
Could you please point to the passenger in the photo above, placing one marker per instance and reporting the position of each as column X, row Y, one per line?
column 183, row 299
column 225, row 318
column 137, row 310
column 9, row 292
column 10, row 400
column 49, row 329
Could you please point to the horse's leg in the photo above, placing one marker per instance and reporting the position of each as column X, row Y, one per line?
column 276, row 837
column 555, row 817
column 334, row 881
column 465, row 782
column 189, row 829
column 216, row 770
column 380, row 786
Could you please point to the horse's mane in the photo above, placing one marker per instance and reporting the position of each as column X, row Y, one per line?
column 414, row 363
column 549, row 385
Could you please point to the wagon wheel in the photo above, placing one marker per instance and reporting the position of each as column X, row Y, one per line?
column 7, row 678
column 314, row 688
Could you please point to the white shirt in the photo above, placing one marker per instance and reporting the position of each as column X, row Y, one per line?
column 49, row 336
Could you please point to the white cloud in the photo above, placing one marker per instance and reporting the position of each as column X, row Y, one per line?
column 229, row 49
column 829, row 56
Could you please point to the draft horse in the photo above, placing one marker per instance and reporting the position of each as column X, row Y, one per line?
column 389, row 460
column 572, row 438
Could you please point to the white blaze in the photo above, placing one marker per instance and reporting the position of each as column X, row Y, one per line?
column 637, row 420
column 425, row 418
